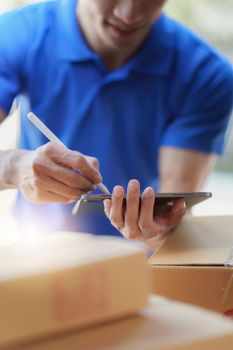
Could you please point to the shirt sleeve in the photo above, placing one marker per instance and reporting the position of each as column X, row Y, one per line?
column 13, row 38
column 202, row 112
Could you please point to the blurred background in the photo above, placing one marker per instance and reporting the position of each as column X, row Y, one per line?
column 211, row 19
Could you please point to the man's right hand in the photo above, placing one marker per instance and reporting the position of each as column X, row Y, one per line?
column 54, row 173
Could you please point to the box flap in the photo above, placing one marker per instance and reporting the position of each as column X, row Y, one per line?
column 198, row 241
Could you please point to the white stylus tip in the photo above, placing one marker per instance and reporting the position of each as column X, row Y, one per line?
column 103, row 188
column 76, row 207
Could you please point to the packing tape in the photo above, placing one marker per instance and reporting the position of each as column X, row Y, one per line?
column 228, row 290
column 229, row 261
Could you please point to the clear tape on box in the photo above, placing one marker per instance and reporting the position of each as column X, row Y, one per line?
column 229, row 261
column 227, row 290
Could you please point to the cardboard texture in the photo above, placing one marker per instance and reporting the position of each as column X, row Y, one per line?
column 191, row 266
column 68, row 280
column 163, row 325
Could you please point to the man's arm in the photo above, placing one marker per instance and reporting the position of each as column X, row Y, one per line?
column 183, row 170
column 6, row 158
column 45, row 174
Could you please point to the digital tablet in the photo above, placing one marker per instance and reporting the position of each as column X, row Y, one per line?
column 93, row 203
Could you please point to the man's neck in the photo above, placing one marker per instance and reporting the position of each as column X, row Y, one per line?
column 114, row 60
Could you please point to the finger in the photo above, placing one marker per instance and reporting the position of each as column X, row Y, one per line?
column 178, row 211
column 146, row 220
column 93, row 162
column 107, row 207
column 44, row 166
column 174, row 216
column 42, row 196
column 78, row 161
column 59, row 188
column 71, row 159
column 116, row 212
column 179, row 206
column 69, row 177
column 50, row 197
column 132, row 210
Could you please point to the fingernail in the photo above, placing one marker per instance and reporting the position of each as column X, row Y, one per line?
column 117, row 191
column 133, row 185
column 107, row 202
column 149, row 192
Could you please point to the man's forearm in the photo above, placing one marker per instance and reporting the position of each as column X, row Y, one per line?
column 9, row 168
column 183, row 170
column 9, row 164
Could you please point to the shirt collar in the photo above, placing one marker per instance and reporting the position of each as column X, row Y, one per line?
column 155, row 57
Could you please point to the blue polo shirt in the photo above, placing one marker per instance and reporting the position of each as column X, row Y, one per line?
column 176, row 91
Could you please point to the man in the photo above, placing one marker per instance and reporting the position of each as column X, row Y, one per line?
column 127, row 87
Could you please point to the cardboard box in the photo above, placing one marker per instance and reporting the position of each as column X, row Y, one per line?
column 164, row 325
column 194, row 264
column 66, row 280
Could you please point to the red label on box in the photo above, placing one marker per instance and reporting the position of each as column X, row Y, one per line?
column 229, row 313
column 86, row 296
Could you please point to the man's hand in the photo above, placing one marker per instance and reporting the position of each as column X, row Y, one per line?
column 49, row 174
column 139, row 221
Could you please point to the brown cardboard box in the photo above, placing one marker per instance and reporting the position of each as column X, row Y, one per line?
column 66, row 280
column 192, row 265
column 163, row 325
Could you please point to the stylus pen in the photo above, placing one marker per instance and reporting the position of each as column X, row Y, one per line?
column 52, row 137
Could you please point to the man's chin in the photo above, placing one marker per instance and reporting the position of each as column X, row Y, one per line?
column 118, row 39
column 121, row 35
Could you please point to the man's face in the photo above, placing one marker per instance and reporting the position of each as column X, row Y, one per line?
column 116, row 24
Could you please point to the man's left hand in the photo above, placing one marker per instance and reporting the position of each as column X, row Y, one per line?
column 139, row 220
